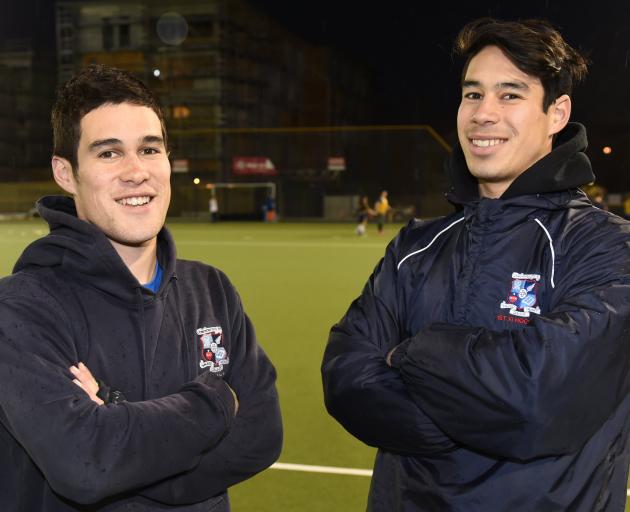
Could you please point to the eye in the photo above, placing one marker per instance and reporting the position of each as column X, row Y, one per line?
column 472, row 96
column 107, row 154
column 150, row 151
column 511, row 96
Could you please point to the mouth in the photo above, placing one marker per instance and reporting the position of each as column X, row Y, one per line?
column 134, row 201
column 486, row 143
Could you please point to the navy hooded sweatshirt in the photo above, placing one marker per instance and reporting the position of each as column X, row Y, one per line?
column 175, row 443
column 510, row 386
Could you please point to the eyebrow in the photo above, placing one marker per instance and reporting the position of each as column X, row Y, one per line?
column 147, row 139
column 103, row 142
column 152, row 139
column 521, row 86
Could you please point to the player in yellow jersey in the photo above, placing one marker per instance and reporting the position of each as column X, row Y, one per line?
column 382, row 209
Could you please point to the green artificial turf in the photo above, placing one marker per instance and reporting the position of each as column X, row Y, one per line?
column 295, row 281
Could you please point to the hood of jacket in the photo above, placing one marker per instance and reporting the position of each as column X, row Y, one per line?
column 82, row 249
column 566, row 167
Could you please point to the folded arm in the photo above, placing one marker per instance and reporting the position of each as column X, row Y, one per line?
column 88, row 452
column 540, row 391
column 254, row 440
column 361, row 391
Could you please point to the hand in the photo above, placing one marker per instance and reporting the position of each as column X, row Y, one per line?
column 86, row 382
column 235, row 398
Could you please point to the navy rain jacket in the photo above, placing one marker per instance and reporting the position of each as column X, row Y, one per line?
column 509, row 389
column 175, row 444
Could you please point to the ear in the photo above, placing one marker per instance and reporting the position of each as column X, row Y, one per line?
column 62, row 172
column 560, row 112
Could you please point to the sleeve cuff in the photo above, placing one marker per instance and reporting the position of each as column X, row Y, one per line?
column 399, row 353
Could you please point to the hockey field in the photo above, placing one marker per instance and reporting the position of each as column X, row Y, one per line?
column 295, row 281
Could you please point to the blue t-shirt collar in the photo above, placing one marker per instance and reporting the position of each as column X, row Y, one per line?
column 154, row 284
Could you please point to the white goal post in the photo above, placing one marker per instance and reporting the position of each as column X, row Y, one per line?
column 242, row 200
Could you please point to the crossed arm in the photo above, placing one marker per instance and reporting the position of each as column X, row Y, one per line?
column 165, row 448
column 85, row 380
column 367, row 396
column 511, row 394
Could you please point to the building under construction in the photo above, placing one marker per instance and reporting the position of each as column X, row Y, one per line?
column 225, row 73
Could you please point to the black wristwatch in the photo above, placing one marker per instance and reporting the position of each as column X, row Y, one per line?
column 108, row 395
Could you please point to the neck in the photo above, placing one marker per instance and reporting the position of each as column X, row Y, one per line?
column 139, row 259
column 492, row 190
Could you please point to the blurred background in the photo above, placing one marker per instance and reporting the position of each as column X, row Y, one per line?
column 310, row 103
column 296, row 109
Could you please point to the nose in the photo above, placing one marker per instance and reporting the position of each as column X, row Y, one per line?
column 486, row 112
column 136, row 170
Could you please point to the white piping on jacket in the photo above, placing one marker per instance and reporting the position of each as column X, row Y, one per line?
column 430, row 243
column 553, row 253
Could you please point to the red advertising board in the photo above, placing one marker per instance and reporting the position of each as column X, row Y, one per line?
column 253, row 165
column 336, row 163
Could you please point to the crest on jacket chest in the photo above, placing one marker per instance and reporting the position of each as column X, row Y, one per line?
column 214, row 356
column 522, row 299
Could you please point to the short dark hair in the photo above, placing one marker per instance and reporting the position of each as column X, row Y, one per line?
column 92, row 87
column 534, row 46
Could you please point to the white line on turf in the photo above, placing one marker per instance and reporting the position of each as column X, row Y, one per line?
column 322, row 469
column 331, row 470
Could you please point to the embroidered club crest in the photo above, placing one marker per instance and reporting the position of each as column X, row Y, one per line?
column 213, row 353
column 522, row 299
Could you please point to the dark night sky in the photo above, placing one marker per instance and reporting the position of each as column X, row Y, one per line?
column 407, row 48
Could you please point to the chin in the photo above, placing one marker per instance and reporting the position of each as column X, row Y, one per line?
column 483, row 171
column 134, row 239
column 480, row 173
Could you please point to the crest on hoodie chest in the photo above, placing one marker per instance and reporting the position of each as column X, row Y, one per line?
column 214, row 356
column 522, row 298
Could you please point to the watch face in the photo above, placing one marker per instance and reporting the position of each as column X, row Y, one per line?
column 115, row 397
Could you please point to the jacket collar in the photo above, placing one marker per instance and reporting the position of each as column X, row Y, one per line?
column 565, row 167
column 82, row 249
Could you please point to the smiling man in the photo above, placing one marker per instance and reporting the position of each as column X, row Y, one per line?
column 129, row 379
column 488, row 357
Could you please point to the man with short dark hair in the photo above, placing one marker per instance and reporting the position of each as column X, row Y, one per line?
column 488, row 357
column 129, row 379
